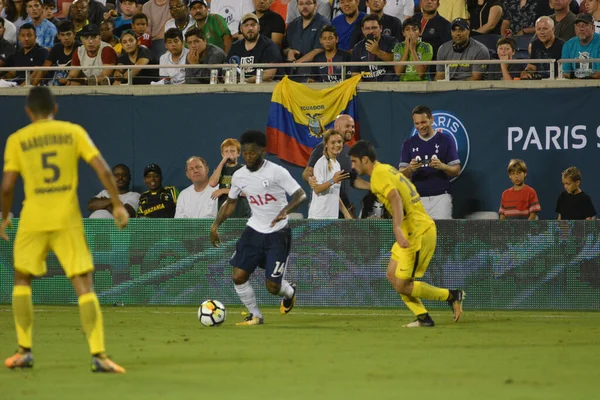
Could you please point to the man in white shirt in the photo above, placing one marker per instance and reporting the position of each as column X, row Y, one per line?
column 196, row 200
column 267, row 239
column 232, row 11
column 101, row 205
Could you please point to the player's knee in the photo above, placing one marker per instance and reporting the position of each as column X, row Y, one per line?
column 239, row 276
column 273, row 287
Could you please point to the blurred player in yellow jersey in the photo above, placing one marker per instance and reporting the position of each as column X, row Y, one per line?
column 45, row 153
column 415, row 234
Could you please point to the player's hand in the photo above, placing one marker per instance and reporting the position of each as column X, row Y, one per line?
column 214, row 236
column 401, row 240
column 340, row 176
column 436, row 163
column 121, row 216
column 312, row 182
column 6, row 223
column 282, row 215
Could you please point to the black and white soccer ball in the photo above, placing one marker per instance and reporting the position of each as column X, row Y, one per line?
column 212, row 313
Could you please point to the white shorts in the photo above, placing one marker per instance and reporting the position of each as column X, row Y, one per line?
column 438, row 207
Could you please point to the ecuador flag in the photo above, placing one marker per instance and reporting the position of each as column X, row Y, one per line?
column 299, row 116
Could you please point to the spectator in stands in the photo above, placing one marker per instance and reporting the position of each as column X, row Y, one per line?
column 157, row 12
column 100, row 205
column 61, row 54
column 520, row 201
column 430, row 160
column 49, row 7
column 128, row 10
column 181, row 18
column 221, row 177
column 45, row 30
column 271, row 24
column 594, row 11
column 10, row 32
column 370, row 208
column 232, row 11
column 331, row 53
column 462, row 47
column 254, row 49
column 391, row 25
column 506, row 49
column 7, row 49
column 519, row 19
column 134, row 54
column 323, row 8
column 452, row 9
column 347, row 24
column 412, row 49
column 374, row 47
column 201, row 52
column 573, row 203
column 15, row 12
column 564, row 19
column 30, row 54
column 435, row 29
column 586, row 45
column 545, row 46
column 79, row 15
column 107, row 35
column 485, row 16
column 140, row 25
column 157, row 201
column 93, row 53
column 213, row 25
column 95, row 11
column 196, row 200
column 176, row 55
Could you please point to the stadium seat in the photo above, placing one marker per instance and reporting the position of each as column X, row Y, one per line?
column 523, row 42
column 488, row 40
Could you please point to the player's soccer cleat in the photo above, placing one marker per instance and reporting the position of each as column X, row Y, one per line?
column 287, row 304
column 456, row 303
column 417, row 323
column 20, row 360
column 106, row 365
column 251, row 320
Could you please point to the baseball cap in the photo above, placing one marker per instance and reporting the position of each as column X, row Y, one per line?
column 249, row 16
column 152, row 168
column 461, row 23
column 90, row 30
column 198, row 2
column 587, row 18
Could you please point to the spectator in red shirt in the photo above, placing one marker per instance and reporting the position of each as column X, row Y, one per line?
column 92, row 54
column 520, row 201
column 139, row 24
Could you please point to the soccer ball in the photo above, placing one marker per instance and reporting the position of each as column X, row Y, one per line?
column 211, row 313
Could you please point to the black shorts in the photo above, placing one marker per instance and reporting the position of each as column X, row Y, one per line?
column 269, row 251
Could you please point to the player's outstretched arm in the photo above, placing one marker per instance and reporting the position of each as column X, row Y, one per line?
column 225, row 212
column 8, row 190
column 297, row 198
column 105, row 176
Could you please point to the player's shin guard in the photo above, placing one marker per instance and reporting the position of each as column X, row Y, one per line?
column 93, row 324
column 425, row 291
column 246, row 294
column 414, row 304
column 22, row 306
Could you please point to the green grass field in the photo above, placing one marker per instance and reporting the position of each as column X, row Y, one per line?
column 311, row 354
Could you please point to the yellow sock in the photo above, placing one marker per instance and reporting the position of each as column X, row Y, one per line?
column 22, row 306
column 91, row 319
column 414, row 304
column 425, row 291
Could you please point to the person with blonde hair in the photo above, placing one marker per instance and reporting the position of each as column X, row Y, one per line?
column 573, row 203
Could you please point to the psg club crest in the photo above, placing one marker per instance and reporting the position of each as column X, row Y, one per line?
column 315, row 127
column 265, row 183
column 448, row 123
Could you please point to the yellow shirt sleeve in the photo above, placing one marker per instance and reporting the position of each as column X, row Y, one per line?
column 381, row 183
column 11, row 155
column 86, row 148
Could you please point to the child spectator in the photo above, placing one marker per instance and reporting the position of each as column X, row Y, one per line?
column 176, row 55
column 139, row 25
column 573, row 203
column 61, row 54
column 506, row 48
column 49, row 7
column 230, row 151
column 128, row 10
column 520, row 201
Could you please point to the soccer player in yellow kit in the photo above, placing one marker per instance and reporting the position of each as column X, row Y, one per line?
column 45, row 153
column 415, row 234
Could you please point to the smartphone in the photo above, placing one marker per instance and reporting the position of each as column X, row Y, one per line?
column 353, row 175
column 370, row 36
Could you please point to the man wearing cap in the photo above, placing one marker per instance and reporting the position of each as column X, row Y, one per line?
column 101, row 205
column 585, row 45
column 181, row 18
column 462, row 47
column 213, row 25
column 196, row 200
column 44, row 29
column 93, row 53
column 254, row 48
column 157, row 201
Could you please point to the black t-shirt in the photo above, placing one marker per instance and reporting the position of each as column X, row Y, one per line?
column 392, row 26
column 539, row 51
column 265, row 51
column 575, row 206
column 58, row 57
column 6, row 50
column 35, row 58
column 494, row 71
column 242, row 209
column 146, row 75
column 271, row 22
column 378, row 73
column 436, row 31
column 480, row 14
column 326, row 73
column 159, row 204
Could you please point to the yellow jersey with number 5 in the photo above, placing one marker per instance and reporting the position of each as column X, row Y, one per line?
column 385, row 178
column 46, row 153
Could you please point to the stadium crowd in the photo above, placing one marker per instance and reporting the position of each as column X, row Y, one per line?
column 92, row 33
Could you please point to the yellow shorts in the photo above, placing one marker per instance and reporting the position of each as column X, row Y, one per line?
column 414, row 260
column 69, row 245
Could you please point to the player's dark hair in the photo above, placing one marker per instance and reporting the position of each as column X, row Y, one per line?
column 125, row 167
column 370, row 17
column 40, row 100
column 173, row 33
column 256, row 137
column 65, row 26
column 139, row 16
column 361, row 149
column 329, row 28
column 28, row 26
column 199, row 33
column 422, row 110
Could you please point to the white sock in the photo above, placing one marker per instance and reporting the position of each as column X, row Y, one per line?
column 246, row 294
column 286, row 291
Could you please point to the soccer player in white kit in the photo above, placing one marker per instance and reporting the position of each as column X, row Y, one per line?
column 266, row 242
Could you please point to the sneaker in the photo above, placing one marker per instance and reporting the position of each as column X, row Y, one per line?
column 20, row 360
column 106, row 365
column 456, row 303
column 417, row 323
column 251, row 320
column 287, row 304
